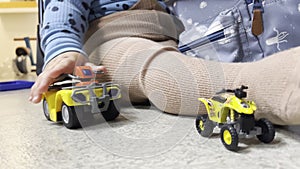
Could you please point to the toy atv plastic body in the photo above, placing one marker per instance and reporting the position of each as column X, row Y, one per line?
column 83, row 95
column 230, row 111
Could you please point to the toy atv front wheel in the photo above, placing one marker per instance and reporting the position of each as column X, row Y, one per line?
column 111, row 113
column 69, row 117
column 229, row 137
column 204, row 125
column 46, row 109
column 268, row 131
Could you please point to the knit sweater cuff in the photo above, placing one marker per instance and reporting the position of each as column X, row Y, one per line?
column 61, row 45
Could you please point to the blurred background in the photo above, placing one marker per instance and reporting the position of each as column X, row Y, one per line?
column 18, row 19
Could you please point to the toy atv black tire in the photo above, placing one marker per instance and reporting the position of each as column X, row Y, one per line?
column 229, row 137
column 268, row 130
column 69, row 117
column 46, row 109
column 204, row 125
column 111, row 113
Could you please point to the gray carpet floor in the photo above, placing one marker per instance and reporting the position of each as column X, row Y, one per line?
column 141, row 137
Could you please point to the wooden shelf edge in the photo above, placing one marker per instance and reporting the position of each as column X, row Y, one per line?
column 26, row 4
column 17, row 10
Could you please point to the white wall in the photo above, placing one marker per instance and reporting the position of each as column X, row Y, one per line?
column 14, row 25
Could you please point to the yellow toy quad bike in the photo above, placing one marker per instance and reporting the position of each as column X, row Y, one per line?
column 230, row 111
column 79, row 96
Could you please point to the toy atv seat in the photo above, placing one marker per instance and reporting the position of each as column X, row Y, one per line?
column 219, row 99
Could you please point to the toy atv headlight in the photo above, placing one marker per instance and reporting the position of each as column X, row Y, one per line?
column 80, row 97
column 114, row 93
column 245, row 105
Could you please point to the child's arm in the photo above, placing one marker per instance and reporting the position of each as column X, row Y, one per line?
column 63, row 28
column 65, row 23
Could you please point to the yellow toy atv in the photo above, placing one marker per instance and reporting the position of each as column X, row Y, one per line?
column 230, row 111
column 81, row 95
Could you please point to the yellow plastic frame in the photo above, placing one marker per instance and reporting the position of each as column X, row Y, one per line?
column 218, row 112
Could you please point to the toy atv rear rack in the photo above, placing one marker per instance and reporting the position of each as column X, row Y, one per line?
column 93, row 98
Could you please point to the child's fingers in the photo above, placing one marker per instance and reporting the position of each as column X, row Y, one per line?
column 46, row 78
column 39, row 87
column 59, row 65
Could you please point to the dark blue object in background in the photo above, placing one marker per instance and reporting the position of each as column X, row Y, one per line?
column 15, row 85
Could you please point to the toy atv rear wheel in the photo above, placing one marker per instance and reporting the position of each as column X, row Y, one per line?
column 268, row 131
column 229, row 137
column 204, row 125
column 69, row 117
column 46, row 109
column 111, row 113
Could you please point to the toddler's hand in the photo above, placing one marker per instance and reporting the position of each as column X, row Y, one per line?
column 64, row 63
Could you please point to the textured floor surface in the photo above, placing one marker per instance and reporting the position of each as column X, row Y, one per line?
column 139, row 138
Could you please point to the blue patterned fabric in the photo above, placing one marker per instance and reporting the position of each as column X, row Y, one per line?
column 222, row 30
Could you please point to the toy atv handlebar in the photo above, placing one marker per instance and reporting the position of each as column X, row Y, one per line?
column 238, row 92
